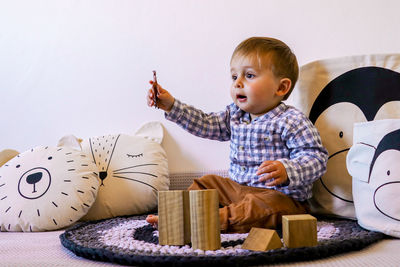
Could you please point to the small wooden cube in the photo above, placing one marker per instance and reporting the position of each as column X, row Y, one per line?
column 204, row 219
column 299, row 230
column 260, row 239
column 173, row 217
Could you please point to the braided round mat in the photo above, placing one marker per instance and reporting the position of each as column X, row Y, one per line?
column 132, row 241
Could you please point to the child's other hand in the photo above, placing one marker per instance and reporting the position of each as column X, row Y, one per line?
column 272, row 171
column 165, row 100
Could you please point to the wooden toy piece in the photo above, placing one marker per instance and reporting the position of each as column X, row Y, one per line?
column 204, row 219
column 260, row 239
column 173, row 217
column 299, row 230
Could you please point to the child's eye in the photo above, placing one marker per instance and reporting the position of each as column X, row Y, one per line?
column 249, row 75
column 234, row 77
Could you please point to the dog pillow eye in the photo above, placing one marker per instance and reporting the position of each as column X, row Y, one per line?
column 46, row 188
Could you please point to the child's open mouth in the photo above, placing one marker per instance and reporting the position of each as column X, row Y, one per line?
column 241, row 98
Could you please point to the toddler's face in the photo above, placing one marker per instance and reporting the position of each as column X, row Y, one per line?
column 254, row 87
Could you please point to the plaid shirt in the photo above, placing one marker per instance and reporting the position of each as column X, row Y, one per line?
column 283, row 134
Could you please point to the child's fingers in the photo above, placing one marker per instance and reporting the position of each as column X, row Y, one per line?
column 266, row 168
column 150, row 97
column 274, row 182
column 268, row 176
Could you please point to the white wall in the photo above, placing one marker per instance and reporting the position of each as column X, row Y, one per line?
column 82, row 67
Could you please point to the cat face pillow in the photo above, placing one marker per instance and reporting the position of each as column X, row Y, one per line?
column 132, row 169
column 46, row 188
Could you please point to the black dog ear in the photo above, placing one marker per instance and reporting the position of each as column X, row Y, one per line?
column 359, row 161
column 6, row 155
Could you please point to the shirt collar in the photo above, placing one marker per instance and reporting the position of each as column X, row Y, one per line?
column 245, row 116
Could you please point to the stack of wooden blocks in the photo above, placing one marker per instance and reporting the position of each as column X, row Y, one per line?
column 192, row 217
column 189, row 217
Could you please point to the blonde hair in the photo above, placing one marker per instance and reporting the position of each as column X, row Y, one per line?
column 283, row 60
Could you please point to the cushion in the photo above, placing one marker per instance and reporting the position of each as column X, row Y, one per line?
column 132, row 169
column 46, row 188
column 335, row 94
column 373, row 163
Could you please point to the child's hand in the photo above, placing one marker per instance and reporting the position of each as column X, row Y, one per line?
column 273, row 171
column 165, row 100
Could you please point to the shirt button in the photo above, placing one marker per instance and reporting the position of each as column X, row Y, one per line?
column 241, row 148
column 266, row 138
column 243, row 168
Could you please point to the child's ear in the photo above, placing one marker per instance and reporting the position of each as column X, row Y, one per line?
column 284, row 87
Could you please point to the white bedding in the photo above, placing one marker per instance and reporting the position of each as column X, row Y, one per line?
column 44, row 248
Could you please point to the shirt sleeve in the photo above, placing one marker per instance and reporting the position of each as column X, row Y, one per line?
column 308, row 157
column 213, row 126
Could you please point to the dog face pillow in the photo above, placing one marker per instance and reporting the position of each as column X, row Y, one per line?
column 46, row 188
column 132, row 169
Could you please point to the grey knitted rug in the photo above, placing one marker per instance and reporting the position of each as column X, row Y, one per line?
column 131, row 241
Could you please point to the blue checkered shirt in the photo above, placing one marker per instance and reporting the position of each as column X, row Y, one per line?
column 283, row 134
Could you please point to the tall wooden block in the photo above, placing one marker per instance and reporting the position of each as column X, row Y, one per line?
column 261, row 239
column 299, row 230
column 204, row 219
column 173, row 217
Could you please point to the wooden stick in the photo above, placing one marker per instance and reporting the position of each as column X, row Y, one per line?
column 204, row 218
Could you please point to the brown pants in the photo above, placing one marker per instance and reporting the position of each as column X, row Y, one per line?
column 245, row 207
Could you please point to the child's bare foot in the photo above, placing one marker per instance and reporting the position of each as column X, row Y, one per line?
column 153, row 220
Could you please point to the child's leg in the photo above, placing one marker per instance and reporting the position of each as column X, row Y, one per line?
column 259, row 209
column 246, row 207
column 228, row 190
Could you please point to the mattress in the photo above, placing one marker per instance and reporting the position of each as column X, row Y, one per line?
column 45, row 249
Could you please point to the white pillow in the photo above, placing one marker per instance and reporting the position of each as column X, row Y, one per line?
column 132, row 170
column 46, row 188
column 373, row 163
column 335, row 94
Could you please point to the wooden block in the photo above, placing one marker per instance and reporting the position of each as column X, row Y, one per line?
column 261, row 239
column 299, row 230
column 173, row 217
column 204, row 219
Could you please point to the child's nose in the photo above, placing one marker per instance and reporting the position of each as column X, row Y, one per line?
column 238, row 83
